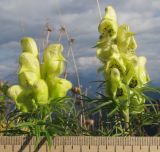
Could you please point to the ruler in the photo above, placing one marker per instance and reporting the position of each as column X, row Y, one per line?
column 81, row 144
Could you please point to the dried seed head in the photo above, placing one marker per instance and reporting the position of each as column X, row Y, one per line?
column 49, row 29
column 76, row 90
column 62, row 29
column 89, row 122
column 72, row 40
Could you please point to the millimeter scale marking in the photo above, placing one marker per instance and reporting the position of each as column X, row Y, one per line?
column 81, row 144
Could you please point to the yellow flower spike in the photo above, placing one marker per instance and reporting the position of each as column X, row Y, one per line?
column 29, row 45
column 14, row 91
column 27, row 78
column 40, row 90
column 29, row 63
column 123, row 71
column 35, row 78
column 58, row 87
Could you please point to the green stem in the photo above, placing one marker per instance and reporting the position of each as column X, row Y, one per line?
column 126, row 119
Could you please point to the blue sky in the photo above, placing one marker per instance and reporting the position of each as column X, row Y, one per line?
column 19, row 18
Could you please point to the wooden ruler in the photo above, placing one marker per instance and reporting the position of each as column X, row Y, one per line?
column 81, row 144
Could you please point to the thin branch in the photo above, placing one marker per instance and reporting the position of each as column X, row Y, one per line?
column 99, row 9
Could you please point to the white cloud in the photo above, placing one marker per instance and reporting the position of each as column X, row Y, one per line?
column 88, row 63
column 7, row 70
column 26, row 18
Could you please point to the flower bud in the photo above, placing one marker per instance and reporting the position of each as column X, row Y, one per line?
column 58, row 87
column 27, row 78
column 25, row 101
column 14, row 91
column 40, row 90
column 53, row 59
column 29, row 45
column 29, row 63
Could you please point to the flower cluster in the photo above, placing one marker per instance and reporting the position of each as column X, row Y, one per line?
column 39, row 82
column 123, row 70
